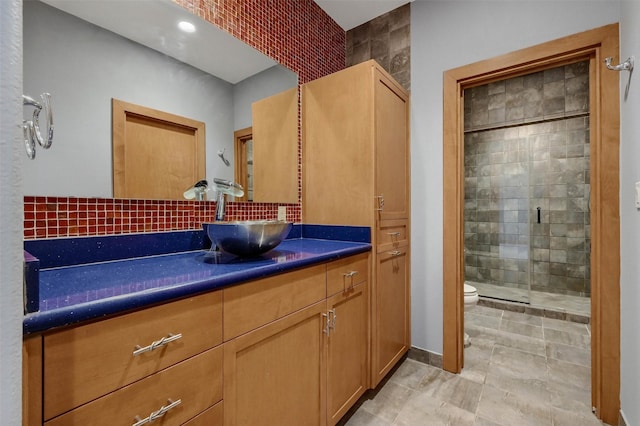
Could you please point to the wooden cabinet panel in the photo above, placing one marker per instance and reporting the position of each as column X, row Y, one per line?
column 391, row 320
column 347, row 367
column 196, row 382
column 88, row 361
column 251, row 305
column 213, row 416
column 356, row 165
column 338, row 128
column 347, row 273
column 32, row 380
column 275, row 148
column 275, row 375
column 392, row 147
column 392, row 234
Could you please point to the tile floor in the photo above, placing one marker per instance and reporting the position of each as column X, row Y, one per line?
column 519, row 370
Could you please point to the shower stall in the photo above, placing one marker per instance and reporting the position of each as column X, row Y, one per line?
column 527, row 187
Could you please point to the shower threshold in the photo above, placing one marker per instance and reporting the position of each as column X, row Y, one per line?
column 539, row 303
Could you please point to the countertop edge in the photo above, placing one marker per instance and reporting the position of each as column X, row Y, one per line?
column 39, row 322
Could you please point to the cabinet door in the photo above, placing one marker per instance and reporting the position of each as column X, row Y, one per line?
column 392, row 148
column 275, row 148
column 275, row 375
column 347, row 368
column 391, row 302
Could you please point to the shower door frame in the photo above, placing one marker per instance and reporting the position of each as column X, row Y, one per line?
column 604, row 91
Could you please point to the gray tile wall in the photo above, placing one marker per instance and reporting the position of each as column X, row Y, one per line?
column 387, row 39
column 527, row 146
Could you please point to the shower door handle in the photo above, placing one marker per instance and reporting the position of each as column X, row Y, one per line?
column 539, row 210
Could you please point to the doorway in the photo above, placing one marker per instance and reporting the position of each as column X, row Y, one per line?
column 527, row 188
column 593, row 46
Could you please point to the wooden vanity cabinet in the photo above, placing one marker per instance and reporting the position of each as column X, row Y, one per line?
column 355, row 127
column 274, row 351
column 308, row 365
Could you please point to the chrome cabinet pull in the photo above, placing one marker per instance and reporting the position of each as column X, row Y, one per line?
column 395, row 253
column 393, row 234
column 380, row 202
column 350, row 274
column 157, row 344
column 327, row 324
column 334, row 317
column 157, row 414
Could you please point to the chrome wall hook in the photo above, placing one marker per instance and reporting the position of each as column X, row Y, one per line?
column 221, row 155
column 31, row 127
column 625, row 66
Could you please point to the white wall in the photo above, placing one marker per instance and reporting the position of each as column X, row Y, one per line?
column 445, row 35
column 630, row 216
column 10, row 211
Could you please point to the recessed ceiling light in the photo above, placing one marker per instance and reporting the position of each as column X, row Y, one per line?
column 187, row 27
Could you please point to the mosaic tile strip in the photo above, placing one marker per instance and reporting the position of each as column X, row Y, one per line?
column 51, row 217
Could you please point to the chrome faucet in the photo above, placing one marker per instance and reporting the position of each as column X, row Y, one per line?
column 225, row 187
column 197, row 191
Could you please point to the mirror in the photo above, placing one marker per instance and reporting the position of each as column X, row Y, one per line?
column 84, row 66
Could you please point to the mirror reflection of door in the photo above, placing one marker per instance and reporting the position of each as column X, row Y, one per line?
column 243, row 154
column 156, row 155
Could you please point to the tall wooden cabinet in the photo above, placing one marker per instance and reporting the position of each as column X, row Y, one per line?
column 356, row 172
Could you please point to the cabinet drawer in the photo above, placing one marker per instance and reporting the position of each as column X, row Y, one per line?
column 211, row 417
column 346, row 273
column 196, row 382
column 88, row 361
column 254, row 304
column 392, row 234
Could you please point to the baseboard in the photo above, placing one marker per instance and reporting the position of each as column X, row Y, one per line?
column 622, row 421
column 425, row 357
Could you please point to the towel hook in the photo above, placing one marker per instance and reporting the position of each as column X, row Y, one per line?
column 221, row 155
column 625, row 66
column 31, row 128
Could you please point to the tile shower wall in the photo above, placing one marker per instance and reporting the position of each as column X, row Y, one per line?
column 298, row 34
column 387, row 39
column 527, row 147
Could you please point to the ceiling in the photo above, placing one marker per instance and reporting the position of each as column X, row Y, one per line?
column 153, row 24
column 351, row 13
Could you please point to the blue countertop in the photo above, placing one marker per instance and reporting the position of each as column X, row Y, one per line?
column 70, row 294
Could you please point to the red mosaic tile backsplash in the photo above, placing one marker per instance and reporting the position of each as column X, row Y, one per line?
column 50, row 217
column 296, row 33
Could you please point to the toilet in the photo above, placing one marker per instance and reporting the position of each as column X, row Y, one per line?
column 470, row 300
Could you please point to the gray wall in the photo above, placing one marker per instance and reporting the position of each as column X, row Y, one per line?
column 513, row 168
column 445, row 35
column 630, row 216
column 11, row 149
column 269, row 82
column 387, row 39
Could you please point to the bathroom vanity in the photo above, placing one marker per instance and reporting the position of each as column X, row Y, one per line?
column 281, row 339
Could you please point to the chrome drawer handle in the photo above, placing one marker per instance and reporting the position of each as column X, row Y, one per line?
column 393, row 234
column 332, row 323
column 157, row 414
column 157, row 344
column 350, row 274
column 395, row 253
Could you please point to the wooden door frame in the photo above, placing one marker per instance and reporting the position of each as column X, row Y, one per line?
column 595, row 45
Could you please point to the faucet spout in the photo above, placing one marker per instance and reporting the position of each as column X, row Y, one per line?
column 220, row 206
column 225, row 187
